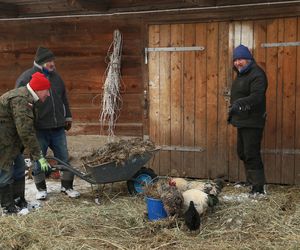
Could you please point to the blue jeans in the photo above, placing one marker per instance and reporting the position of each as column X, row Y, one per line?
column 16, row 172
column 6, row 177
column 56, row 140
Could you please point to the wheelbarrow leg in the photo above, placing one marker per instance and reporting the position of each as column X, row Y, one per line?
column 97, row 192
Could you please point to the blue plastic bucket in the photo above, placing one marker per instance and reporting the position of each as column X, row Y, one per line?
column 155, row 209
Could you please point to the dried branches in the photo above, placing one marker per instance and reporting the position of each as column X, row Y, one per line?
column 111, row 100
column 118, row 151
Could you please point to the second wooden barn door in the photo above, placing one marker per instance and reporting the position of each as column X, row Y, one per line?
column 187, row 88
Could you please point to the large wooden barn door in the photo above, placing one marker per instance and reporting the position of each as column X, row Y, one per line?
column 187, row 92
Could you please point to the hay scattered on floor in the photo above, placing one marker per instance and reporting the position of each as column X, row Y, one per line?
column 118, row 151
column 120, row 222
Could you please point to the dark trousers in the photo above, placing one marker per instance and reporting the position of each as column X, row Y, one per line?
column 248, row 149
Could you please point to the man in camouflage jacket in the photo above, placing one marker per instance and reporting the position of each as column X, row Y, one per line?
column 17, row 132
column 53, row 118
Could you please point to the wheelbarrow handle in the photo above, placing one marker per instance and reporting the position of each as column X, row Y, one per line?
column 66, row 166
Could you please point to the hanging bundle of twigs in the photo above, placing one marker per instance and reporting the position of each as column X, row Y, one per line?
column 111, row 100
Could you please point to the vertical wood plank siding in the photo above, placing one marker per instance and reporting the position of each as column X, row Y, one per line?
column 198, row 105
column 297, row 125
column 164, row 103
column 154, row 112
column 212, row 97
column 201, row 101
column 288, row 109
column 189, row 99
column 223, row 72
column 271, row 68
column 176, row 98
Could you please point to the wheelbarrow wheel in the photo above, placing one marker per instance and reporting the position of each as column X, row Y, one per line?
column 138, row 181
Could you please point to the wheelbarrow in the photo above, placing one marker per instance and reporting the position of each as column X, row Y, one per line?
column 132, row 171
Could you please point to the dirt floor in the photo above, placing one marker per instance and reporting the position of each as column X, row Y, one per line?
column 113, row 219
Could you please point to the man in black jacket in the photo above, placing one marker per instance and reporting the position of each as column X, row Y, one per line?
column 248, row 114
column 53, row 117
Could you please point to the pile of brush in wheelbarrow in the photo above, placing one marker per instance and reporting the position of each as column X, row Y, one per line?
column 120, row 161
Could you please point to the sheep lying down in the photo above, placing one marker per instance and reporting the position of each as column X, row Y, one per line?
column 195, row 204
column 190, row 198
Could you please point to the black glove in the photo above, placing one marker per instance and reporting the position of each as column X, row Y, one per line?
column 68, row 125
column 234, row 109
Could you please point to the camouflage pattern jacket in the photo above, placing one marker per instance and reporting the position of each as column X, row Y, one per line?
column 16, row 126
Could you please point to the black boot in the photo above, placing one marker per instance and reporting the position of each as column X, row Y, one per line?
column 257, row 180
column 257, row 189
column 67, row 184
column 41, row 186
column 19, row 193
column 7, row 199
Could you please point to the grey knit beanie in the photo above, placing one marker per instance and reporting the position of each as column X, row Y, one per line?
column 43, row 55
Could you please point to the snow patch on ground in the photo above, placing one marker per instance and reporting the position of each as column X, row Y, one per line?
column 235, row 197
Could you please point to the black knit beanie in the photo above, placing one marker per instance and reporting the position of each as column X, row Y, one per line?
column 43, row 55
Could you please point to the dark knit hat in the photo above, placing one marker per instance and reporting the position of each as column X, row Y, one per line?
column 242, row 52
column 43, row 55
column 39, row 81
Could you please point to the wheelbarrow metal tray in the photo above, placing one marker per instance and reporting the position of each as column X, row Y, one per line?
column 112, row 172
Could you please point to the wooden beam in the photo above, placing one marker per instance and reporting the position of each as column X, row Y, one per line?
column 240, row 2
column 202, row 3
column 8, row 10
column 90, row 5
column 212, row 3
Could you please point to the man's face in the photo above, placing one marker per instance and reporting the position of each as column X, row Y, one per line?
column 240, row 63
column 50, row 66
column 43, row 94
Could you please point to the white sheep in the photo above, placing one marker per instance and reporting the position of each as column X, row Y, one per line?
column 195, row 204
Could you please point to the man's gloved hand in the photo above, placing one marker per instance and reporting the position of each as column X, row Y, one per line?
column 234, row 109
column 68, row 125
column 44, row 164
column 41, row 165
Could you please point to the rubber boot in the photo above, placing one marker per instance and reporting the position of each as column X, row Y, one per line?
column 19, row 193
column 7, row 200
column 257, row 180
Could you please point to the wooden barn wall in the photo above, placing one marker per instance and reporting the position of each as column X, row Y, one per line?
column 80, row 47
column 188, row 102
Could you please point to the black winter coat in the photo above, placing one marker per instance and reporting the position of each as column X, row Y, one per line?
column 55, row 110
column 249, row 91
